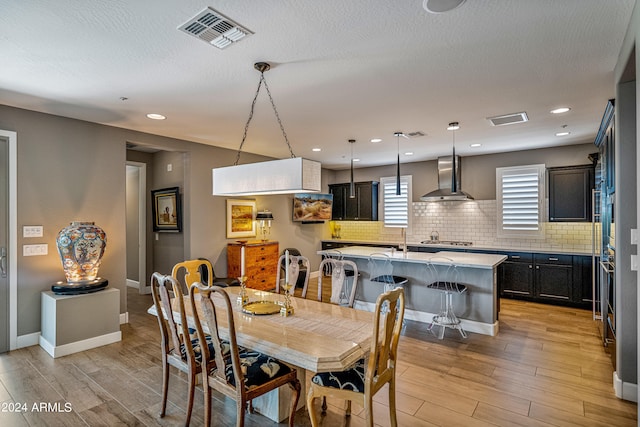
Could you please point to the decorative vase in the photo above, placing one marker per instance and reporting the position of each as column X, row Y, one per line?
column 81, row 246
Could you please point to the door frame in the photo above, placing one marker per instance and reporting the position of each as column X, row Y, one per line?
column 12, row 138
column 143, row 288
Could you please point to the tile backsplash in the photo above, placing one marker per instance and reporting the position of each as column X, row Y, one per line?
column 473, row 221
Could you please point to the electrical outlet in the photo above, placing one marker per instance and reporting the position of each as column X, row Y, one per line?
column 634, row 236
column 32, row 231
column 33, row 250
column 634, row 262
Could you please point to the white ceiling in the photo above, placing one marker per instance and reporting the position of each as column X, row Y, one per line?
column 340, row 70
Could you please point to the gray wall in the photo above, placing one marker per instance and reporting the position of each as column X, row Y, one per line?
column 627, row 197
column 478, row 172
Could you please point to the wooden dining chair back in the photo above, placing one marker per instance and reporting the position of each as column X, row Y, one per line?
column 368, row 376
column 297, row 264
column 344, row 279
column 179, row 344
column 191, row 271
column 238, row 373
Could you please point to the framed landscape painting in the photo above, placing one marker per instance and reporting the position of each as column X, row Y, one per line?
column 240, row 218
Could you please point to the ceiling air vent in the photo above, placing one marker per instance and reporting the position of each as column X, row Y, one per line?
column 214, row 28
column 508, row 119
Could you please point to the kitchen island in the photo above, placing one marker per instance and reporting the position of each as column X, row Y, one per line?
column 477, row 308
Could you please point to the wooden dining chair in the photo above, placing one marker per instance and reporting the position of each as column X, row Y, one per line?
column 198, row 270
column 240, row 374
column 367, row 377
column 180, row 345
column 297, row 265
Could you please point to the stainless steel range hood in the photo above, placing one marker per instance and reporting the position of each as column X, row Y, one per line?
column 448, row 182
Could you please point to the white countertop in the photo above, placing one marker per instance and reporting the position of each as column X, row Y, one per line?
column 481, row 247
column 462, row 259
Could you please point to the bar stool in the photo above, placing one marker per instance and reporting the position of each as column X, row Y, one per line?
column 381, row 271
column 446, row 282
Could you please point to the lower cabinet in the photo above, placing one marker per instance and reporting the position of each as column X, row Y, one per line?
column 547, row 278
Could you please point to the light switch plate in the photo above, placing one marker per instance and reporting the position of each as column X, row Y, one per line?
column 32, row 231
column 634, row 236
column 33, row 250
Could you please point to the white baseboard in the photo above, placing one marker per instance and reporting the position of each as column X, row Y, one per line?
column 74, row 347
column 124, row 318
column 27, row 340
column 133, row 284
column 424, row 317
column 625, row 391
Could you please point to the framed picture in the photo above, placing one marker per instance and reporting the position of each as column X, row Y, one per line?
column 240, row 218
column 167, row 211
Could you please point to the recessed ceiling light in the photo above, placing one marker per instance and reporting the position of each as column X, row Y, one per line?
column 475, row 145
column 409, row 153
column 560, row 110
column 356, row 160
column 316, row 149
column 563, row 133
column 440, row 6
column 376, row 140
column 155, row 116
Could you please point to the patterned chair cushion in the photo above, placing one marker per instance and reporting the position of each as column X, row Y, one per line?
column 256, row 367
column 351, row 379
column 195, row 343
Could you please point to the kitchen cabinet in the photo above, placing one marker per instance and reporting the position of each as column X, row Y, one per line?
column 553, row 277
column 570, row 193
column 516, row 275
column 546, row 278
column 260, row 263
column 363, row 207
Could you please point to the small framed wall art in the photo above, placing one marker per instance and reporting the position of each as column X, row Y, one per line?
column 167, row 209
column 240, row 218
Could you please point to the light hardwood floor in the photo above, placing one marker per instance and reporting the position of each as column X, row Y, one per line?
column 546, row 367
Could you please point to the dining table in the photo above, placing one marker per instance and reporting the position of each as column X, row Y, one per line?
column 317, row 337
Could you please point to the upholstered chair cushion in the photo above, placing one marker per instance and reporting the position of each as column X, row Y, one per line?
column 195, row 343
column 351, row 379
column 257, row 368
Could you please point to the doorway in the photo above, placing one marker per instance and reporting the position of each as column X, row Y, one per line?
column 8, row 240
column 136, row 184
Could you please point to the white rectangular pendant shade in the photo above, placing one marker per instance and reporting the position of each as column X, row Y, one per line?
column 285, row 176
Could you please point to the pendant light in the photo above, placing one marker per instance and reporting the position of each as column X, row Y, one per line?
column 453, row 127
column 286, row 176
column 352, row 185
column 398, row 135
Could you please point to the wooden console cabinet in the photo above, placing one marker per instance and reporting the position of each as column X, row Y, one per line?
column 260, row 263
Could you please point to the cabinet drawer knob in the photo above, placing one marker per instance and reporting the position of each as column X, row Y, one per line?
column 553, row 259
column 515, row 256
column 537, row 267
column 530, row 266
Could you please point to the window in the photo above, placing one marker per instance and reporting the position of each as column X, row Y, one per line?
column 520, row 198
column 396, row 210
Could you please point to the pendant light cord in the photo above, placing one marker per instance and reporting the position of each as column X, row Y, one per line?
column 275, row 110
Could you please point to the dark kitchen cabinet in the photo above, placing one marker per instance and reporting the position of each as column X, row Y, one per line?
column 582, row 280
column 553, row 277
column 363, row 207
column 570, row 193
column 516, row 275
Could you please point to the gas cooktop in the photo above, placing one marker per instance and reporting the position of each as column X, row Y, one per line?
column 446, row 242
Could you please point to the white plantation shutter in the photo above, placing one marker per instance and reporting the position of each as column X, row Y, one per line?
column 520, row 198
column 396, row 209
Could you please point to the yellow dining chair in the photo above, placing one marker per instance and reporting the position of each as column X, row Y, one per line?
column 240, row 374
column 199, row 270
column 180, row 345
column 367, row 377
